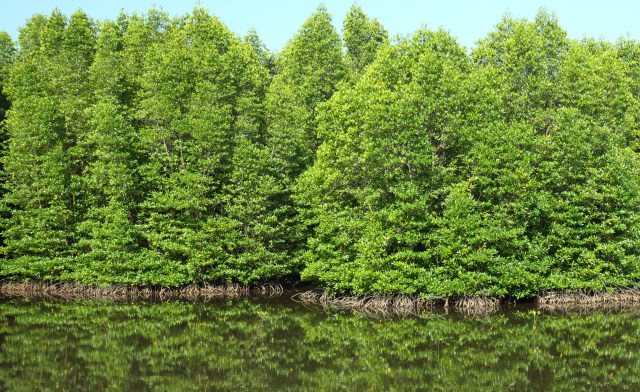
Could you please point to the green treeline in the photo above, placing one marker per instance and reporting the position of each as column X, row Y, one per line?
column 150, row 150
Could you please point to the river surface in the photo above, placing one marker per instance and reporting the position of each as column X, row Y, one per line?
column 279, row 345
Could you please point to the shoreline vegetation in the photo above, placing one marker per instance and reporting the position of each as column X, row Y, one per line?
column 161, row 157
column 620, row 299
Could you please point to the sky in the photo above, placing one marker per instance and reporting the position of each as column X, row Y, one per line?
column 277, row 21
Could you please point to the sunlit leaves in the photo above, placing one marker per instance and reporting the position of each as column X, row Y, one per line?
column 42, row 161
column 152, row 150
column 362, row 38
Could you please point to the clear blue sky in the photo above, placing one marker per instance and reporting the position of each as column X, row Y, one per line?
column 278, row 20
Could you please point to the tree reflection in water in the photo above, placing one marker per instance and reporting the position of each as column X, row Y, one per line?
column 259, row 345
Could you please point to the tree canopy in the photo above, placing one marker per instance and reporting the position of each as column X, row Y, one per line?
column 163, row 151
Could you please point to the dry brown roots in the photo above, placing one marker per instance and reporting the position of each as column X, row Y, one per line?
column 476, row 305
column 619, row 299
column 397, row 305
column 125, row 293
column 376, row 305
column 379, row 305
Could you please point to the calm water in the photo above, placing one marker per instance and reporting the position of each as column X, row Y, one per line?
column 257, row 345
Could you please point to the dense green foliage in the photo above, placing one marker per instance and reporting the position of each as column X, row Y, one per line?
column 6, row 58
column 7, row 52
column 151, row 150
column 43, row 165
column 265, row 346
column 507, row 172
column 362, row 37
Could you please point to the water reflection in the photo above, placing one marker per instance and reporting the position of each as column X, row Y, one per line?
column 259, row 345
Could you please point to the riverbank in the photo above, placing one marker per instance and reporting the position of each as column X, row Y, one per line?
column 72, row 291
column 377, row 305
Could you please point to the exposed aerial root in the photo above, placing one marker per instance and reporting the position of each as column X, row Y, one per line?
column 619, row 299
column 377, row 305
column 66, row 290
column 476, row 305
